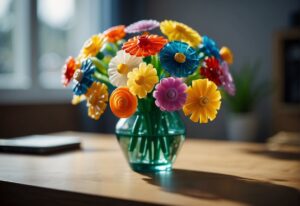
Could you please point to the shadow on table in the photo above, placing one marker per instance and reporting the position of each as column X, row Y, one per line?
column 285, row 155
column 206, row 185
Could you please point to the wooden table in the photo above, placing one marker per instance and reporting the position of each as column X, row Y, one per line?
column 205, row 173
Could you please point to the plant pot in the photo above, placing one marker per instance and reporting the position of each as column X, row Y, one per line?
column 150, row 139
column 242, row 127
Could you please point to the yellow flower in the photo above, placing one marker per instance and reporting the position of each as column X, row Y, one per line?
column 226, row 54
column 92, row 46
column 142, row 80
column 97, row 97
column 77, row 99
column 180, row 32
column 203, row 101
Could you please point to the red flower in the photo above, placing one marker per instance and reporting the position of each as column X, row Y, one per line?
column 211, row 70
column 144, row 45
column 68, row 71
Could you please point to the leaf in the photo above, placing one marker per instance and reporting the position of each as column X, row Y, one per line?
column 249, row 88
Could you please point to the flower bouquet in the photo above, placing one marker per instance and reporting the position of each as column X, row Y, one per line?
column 151, row 77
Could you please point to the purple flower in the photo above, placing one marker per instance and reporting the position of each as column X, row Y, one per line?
column 170, row 94
column 142, row 25
column 227, row 80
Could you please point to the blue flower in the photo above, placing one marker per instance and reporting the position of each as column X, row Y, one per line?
column 83, row 77
column 208, row 48
column 179, row 59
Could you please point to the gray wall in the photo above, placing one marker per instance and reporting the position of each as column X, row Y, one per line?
column 245, row 26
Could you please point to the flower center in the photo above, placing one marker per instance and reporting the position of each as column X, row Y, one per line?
column 180, row 57
column 140, row 80
column 88, row 43
column 122, row 69
column 143, row 41
column 78, row 75
column 203, row 101
column 146, row 33
column 171, row 94
column 179, row 28
column 93, row 100
column 92, row 46
column 121, row 103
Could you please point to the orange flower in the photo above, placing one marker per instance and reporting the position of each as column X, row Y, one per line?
column 122, row 102
column 144, row 45
column 226, row 54
column 97, row 96
column 115, row 33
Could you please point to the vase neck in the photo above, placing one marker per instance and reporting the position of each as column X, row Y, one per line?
column 146, row 105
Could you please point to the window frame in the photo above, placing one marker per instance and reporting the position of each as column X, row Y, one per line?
column 30, row 90
column 20, row 43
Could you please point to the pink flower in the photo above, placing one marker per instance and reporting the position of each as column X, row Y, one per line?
column 227, row 80
column 141, row 26
column 170, row 94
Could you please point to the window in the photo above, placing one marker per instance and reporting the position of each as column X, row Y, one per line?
column 55, row 30
column 36, row 36
column 7, row 11
column 13, row 54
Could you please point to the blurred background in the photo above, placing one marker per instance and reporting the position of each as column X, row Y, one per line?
column 36, row 36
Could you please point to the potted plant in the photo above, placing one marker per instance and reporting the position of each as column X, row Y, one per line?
column 242, row 122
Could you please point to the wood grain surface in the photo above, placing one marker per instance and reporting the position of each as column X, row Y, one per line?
column 205, row 173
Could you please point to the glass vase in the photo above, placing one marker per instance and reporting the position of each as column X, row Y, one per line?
column 150, row 139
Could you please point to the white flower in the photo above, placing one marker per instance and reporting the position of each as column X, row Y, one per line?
column 120, row 65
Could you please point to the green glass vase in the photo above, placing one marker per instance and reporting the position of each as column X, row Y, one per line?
column 150, row 139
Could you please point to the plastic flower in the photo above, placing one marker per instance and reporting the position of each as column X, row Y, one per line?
column 179, row 59
column 226, row 55
column 170, row 94
column 181, row 32
column 68, row 71
column 227, row 80
column 141, row 80
column 144, row 45
column 83, row 77
column 142, row 26
column 92, row 46
column 77, row 99
column 119, row 67
column 122, row 102
column 97, row 97
column 211, row 70
column 203, row 101
column 115, row 33
column 208, row 48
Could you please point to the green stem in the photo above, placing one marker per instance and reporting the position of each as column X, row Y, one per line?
column 195, row 75
column 103, row 79
column 111, row 48
column 149, row 147
column 99, row 65
column 156, row 63
column 142, row 147
column 135, row 136
column 160, row 134
column 157, row 121
column 164, row 140
column 116, row 47
column 150, row 132
column 142, row 108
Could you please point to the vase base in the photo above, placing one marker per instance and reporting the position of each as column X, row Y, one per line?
column 140, row 167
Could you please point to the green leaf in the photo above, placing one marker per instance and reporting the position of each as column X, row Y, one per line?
column 249, row 88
